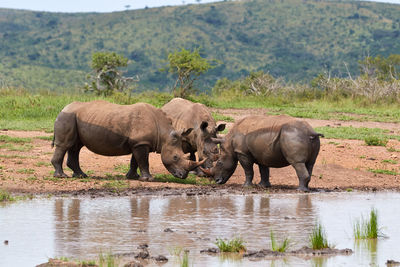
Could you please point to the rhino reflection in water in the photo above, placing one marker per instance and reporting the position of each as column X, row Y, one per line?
column 113, row 130
column 269, row 141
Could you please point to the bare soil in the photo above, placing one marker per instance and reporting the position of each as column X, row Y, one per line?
column 341, row 165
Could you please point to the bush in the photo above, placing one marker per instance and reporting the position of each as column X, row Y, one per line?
column 375, row 141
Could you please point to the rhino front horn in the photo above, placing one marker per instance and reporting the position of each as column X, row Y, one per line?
column 194, row 164
column 209, row 172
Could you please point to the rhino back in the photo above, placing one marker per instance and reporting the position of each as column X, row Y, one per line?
column 259, row 137
column 111, row 129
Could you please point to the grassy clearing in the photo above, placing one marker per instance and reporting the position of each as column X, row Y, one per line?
column 361, row 133
column 367, row 228
column 191, row 179
column 20, row 110
column 236, row 244
column 219, row 117
column 282, row 247
column 15, row 140
column 318, row 238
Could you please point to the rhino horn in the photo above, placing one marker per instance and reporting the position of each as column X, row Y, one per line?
column 209, row 172
column 218, row 140
column 194, row 164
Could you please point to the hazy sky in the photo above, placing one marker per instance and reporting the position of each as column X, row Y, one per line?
column 102, row 5
column 91, row 5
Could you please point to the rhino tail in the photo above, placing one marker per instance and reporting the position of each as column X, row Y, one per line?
column 52, row 142
column 314, row 135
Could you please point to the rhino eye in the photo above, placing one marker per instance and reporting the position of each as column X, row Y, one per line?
column 219, row 163
column 176, row 158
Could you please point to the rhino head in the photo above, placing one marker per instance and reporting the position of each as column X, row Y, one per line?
column 173, row 158
column 207, row 148
column 225, row 166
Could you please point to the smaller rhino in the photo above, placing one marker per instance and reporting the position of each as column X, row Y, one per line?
column 268, row 141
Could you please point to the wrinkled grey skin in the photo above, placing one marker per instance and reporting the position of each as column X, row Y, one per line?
column 114, row 130
column 268, row 141
column 186, row 114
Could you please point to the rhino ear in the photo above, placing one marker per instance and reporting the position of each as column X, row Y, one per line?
column 221, row 127
column 175, row 135
column 203, row 125
column 186, row 132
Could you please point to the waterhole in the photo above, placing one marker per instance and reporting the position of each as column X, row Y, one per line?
column 82, row 228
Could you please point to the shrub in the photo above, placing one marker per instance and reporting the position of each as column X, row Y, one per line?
column 375, row 141
column 318, row 238
column 233, row 245
column 367, row 228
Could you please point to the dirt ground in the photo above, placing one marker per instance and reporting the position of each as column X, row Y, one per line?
column 341, row 165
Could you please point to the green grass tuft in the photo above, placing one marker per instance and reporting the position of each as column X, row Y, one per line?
column 278, row 247
column 375, row 141
column 6, row 196
column 236, row 244
column 367, row 228
column 318, row 238
column 382, row 171
column 191, row 179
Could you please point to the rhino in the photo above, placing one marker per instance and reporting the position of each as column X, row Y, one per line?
column 268, row 141
column 186, row 114
column 114, row 130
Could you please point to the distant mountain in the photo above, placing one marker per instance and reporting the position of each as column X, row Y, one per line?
column 295, row 39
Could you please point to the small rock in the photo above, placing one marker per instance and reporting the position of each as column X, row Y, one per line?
column 371, row 158
column 210, row 250
column 143, row 246
column 161, row 258
column 392, row 263
column 133, row 264
column 5, row 242
column 168, row 230
column 142, row 255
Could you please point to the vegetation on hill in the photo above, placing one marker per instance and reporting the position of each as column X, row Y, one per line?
column 293, row 39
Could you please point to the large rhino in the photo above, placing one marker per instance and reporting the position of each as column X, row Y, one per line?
column 113, row 130
column 186, row 114
column 268, row 141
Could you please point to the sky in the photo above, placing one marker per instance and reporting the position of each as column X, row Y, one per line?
column 92, row 5
column 103, row 5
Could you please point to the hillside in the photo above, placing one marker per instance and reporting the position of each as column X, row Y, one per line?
column 296, row 39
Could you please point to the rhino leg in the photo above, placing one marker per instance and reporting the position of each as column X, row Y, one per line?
column 141, row 154
column 303, row 175
column 264, row 173
column 57, row 160
column 132, row 173
column 247, row 165
column 73, row 161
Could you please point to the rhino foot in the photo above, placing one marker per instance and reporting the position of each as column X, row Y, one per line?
column 248, row 184
column 60, row 175
column 79, row 175
column 132, row 176
column 264, row 185
column 146, row 179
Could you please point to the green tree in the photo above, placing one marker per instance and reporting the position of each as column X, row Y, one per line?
column 106, row 78
column 385, row 69
column 188, row 66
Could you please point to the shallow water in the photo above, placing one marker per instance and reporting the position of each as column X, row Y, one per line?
column 82, row 228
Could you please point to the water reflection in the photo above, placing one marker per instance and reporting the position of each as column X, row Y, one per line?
column 82, row 228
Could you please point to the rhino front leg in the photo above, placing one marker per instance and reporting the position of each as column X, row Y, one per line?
column 73, row 161
column 141, row 154
column 132, row 173
column 303, row 175
column 264, row 173
column 57, row 161
column 247, row 165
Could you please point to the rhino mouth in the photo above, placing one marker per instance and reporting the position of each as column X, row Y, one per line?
column 180, row 174
column 220, row 180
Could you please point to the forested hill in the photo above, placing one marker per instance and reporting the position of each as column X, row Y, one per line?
column 295, row 39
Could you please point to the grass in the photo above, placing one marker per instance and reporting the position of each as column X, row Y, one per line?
column 108, row 260
column 367, row 228
column 124, row 168
column 6, row 196
column 390, row 161
column 236, row 244
column 16, row 140
column 361, row 133
column 219, row 117
column 26, row 171
column 318, row 238
column 375, row 141
column 116, row 185
column 185, row 259
column 191, row 179
column 278, row 247
column 382, row 171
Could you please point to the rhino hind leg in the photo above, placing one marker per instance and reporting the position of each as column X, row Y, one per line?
column 264, row 173
column 141, row 154
column 303, row 174
column 132, row 173
column 247, row 165
column 73, row 161
column 57, row 161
